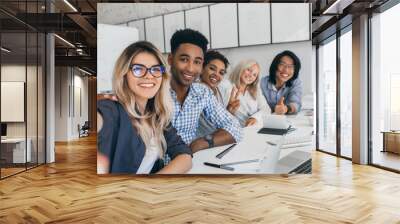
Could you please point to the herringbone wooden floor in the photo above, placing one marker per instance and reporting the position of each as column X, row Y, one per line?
column 69, row 191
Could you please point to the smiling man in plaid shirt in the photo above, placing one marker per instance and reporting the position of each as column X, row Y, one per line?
column 191, row 99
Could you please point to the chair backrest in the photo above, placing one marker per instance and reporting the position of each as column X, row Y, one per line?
column 86, row 125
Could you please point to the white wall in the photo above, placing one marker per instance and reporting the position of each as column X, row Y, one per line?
column 12, row 73
column 113, row 14
column 61, row 103
column 109, row 50
column 67, row 117
column 33, row 127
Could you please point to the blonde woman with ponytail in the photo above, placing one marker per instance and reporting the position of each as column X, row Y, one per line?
column 135, row 132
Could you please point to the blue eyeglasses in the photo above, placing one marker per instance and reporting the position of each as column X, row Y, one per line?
column 139, row 70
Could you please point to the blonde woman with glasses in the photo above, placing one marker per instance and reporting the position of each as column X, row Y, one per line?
column 242, row 94
column 135, row 132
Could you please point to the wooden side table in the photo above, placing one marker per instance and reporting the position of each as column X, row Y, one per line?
column 391, row 141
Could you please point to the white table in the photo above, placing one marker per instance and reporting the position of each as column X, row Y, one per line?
column 18, row 145
column 253, row 146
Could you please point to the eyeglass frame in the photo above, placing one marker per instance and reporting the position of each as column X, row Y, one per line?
column 163, row 69
column 288, row 66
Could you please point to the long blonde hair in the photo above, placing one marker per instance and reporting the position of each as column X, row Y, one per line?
column 234, row 77
column 159, row 109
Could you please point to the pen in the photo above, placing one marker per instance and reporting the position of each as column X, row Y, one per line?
column 240, row 162
column 219, row 166
column 220, row 155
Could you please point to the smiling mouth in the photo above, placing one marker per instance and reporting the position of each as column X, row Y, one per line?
column 188, row 77
column 285, row 75
column 147, row 85
column 213, row 80
column 249, row 79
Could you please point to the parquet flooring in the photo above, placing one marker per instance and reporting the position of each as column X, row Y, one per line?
column 69, row 191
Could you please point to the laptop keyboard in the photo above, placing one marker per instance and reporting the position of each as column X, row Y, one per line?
column 297, row 139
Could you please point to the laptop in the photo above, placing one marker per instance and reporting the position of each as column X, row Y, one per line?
column 295, row 162
column 275, row 125
column 275, row 121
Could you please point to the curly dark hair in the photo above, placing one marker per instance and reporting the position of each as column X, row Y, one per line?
column 277, row 60
column 188, row 36
column 212, row 55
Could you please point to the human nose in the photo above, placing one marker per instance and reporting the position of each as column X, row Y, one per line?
column 190, row 66
column 286, row 68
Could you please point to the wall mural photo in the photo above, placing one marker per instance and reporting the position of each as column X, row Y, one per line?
column 202, row 88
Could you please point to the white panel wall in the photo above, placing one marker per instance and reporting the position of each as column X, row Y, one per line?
column 139, row 25
column 111, row 41
column 12, row 101
column 172, row 23
column 154, row 32
column 254, row 24
column 224, row 31
column 224, row 23
column 61, row 103
column 198, row 19
column 14, row 73
column 290, row 22
column 67, row 100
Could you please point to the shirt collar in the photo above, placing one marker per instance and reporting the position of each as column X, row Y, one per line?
column 272, row 86
column 188, row 97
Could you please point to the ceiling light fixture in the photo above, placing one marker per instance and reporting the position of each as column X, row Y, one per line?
column 70, row 5
column 84, row 71
column 5, row 50
column 337, row 7
column 326, row 11
column 64, row 40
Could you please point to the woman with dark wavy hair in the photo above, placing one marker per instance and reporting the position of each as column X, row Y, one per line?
column 282, row 88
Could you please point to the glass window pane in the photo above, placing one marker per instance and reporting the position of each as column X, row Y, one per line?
column 346, row 94
column 41, row 98
column 385, row 88
column 31, row 97
column 327, row 97
column 14, row 153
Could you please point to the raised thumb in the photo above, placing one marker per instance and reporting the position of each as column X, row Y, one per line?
column 280, row 102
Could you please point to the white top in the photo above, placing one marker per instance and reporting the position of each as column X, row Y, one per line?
column 249, row 107
column 150, row 157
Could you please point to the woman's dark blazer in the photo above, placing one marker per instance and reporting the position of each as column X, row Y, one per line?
column 120, row 142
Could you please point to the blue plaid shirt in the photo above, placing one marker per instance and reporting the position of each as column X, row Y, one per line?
column 201, row 99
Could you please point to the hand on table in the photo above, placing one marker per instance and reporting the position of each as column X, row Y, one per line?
column 198, row 145
column 250, row 121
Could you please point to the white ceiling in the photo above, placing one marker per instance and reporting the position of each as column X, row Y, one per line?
column 117, row 13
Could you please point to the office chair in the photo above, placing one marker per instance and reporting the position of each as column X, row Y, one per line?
column 84, row 130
